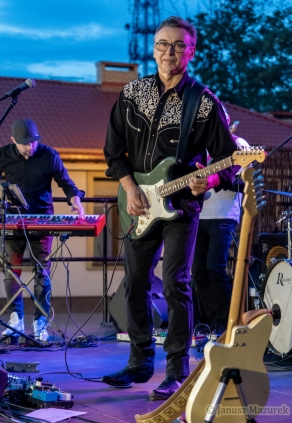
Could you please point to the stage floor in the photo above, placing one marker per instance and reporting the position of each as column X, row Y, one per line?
column 104, row 404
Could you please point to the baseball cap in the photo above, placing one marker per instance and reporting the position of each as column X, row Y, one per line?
column 25, row 131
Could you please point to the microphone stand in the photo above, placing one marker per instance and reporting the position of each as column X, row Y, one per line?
column 279, row 146
column 3, row 259
column 9, row 108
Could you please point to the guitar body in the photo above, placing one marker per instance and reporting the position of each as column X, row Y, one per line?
column 159, row 208
column 245, row 352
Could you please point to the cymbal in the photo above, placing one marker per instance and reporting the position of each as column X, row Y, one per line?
column 288, row 194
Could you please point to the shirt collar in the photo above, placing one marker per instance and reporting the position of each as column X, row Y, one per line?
column 180, row 86
column 20, row 156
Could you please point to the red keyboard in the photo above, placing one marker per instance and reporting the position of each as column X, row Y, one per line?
column 53, row 225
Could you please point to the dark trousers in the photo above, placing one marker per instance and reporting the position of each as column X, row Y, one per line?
column 178, row 238
column 40, row 249
column 210, row 281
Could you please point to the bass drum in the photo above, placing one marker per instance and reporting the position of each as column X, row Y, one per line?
column 277, row 295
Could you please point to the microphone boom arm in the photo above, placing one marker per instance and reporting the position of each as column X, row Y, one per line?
column 10, row 107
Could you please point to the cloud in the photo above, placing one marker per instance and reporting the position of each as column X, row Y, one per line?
column 77, row 70
column 78, row 33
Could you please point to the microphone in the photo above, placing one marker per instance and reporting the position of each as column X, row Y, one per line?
column 29, row 83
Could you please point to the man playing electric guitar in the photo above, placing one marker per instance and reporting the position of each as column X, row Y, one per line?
column 144, row 130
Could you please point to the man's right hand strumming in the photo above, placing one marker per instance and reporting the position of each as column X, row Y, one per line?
column 136, row 200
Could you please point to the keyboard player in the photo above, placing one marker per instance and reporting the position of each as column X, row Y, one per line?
column 32, row 166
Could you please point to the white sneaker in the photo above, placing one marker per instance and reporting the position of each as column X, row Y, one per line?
column 39, row 329
column 16, row 323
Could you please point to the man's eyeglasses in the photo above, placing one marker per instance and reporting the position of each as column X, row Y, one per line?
column 164, row 46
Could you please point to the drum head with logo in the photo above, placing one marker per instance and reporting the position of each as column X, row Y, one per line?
column 277, row 295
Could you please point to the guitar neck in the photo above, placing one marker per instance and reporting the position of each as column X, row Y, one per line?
column 182, row 182
column 240, row 276
column 253, row 202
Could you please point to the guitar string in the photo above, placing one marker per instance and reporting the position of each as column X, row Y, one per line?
column 183, row 181
column 172, row 186
column 186, row 179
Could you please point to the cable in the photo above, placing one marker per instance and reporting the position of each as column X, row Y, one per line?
column 68, row 292
column 125, row 235
column 91, row 314
column 36, row 260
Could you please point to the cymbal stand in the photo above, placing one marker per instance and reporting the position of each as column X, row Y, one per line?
column 287, row 215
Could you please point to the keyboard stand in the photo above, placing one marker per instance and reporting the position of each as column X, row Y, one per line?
column 23, row 285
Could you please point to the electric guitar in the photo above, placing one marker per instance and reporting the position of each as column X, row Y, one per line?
column 246, row 339
column 158, row 187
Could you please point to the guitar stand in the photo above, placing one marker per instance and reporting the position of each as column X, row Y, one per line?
column 23, row 287
column 227, row 374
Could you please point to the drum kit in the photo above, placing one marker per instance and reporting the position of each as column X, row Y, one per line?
column 276, row 290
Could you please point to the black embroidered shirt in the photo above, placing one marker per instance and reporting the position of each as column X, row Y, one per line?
column 144, row 129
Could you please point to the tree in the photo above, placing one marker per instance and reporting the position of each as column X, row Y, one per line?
column 245, row 56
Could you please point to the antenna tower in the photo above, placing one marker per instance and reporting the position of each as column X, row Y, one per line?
column 144, row 23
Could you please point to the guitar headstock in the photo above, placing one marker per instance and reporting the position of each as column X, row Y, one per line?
column 254, row 198
column 248, row 155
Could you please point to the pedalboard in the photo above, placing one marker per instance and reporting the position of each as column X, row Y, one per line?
column 25, row 391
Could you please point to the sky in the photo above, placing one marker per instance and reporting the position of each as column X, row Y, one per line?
column 63, row 39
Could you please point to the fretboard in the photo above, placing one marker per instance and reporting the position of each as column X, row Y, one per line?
column 182, row 182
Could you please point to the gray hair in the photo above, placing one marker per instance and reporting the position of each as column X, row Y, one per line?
column 177, row 22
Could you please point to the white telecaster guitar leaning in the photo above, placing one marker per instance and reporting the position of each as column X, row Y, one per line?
column 212, row 399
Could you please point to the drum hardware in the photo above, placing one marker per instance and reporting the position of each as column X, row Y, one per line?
column 287, row 215
column 276, row 253
column 276, row 312
column 262, row 278
column 288, row 194
column 251, row 261
column 276, row 293
column 254, row 299
column 256, row 302
column 276, row 290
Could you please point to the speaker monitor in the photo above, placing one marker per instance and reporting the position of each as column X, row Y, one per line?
column 118, row 313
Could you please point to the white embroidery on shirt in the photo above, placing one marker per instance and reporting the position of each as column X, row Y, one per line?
column 172, row 111
column 205, row 107
column 144, row 94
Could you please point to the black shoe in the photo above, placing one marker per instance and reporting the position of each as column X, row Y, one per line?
column 168, row 387
column 127, row 375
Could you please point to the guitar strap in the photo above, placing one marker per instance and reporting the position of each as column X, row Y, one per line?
column 191, row 102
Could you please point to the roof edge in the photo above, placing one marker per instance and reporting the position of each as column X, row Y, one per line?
column 258, row 114
column 81, row 154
